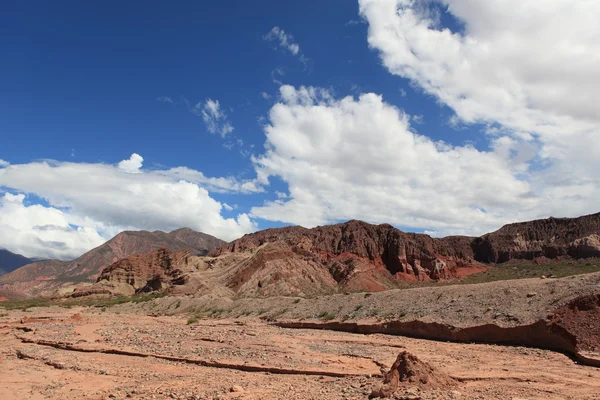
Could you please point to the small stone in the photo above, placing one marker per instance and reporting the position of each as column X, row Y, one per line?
column 236, row 389
column 532, row 294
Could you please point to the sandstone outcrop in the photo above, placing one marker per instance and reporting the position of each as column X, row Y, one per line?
column 154, row 271
column 550, row 238
column 46, row 277
column 406, row 256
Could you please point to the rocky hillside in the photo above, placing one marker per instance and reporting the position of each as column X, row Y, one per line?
column 407, row 256
column 11, row 261
column 550, row 238
column 356, row 256
column 46, row 276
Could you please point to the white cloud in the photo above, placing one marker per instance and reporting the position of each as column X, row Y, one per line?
column 276, row 74
column 285, row 41
column 165, row 99
column 132, row 165
column 353, row 22
column 282, row 39
column 102, row 200
column 527, row 68
column 358, row 158
column 417, row 119
column 214, row 117
column 38, row 231
column 4, row 163
column 265, row 95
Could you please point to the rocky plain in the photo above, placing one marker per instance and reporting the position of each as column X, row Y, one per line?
column 348, row 311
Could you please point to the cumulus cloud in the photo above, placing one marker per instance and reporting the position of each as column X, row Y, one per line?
column 3, row 163
column 528, row 69
column 359, row 158
column 36, row 230
column 100, row 200
column 132, row 165
column 214, row 117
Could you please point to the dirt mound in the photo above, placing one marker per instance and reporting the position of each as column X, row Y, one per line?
column 581, row 317
column 409, row 369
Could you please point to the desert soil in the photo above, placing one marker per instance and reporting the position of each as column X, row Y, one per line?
column 56, row 353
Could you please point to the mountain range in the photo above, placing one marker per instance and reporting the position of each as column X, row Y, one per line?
column 45, row 277
column 11, row 261
column 352, row 256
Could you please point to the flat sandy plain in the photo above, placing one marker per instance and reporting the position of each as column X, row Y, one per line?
column 87, row 353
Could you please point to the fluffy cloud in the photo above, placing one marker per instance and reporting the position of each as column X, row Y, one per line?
column 92, row 201
column 528, row 69
column 3, row 163
column 36, row 230
column 358, row 158
column 214, row 117
column 132, row 165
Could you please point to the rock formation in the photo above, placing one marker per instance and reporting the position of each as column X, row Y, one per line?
column 45, row 277
column 407, row 256
column 550, row 238
column 352, row 256
column 154, row 271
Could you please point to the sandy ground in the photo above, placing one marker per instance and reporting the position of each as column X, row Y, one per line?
column 104, row 355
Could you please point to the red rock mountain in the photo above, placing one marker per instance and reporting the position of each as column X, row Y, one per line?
column 46, row 276
column 408, row 256
column 551, row 238
column 352, row 256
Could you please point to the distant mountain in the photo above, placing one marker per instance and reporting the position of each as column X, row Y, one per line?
column 11, row 261
column 550, row 238
column 42, row 277
column 353, row 256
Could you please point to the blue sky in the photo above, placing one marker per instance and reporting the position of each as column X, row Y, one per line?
column 91, row 83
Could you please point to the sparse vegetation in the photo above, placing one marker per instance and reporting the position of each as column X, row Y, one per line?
column 358, row 307
column 297, row 301
column 524, row 270
column 327, row 316
column 193, row 320
column 279, row 313
column 372, row 313
column 68, row 303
